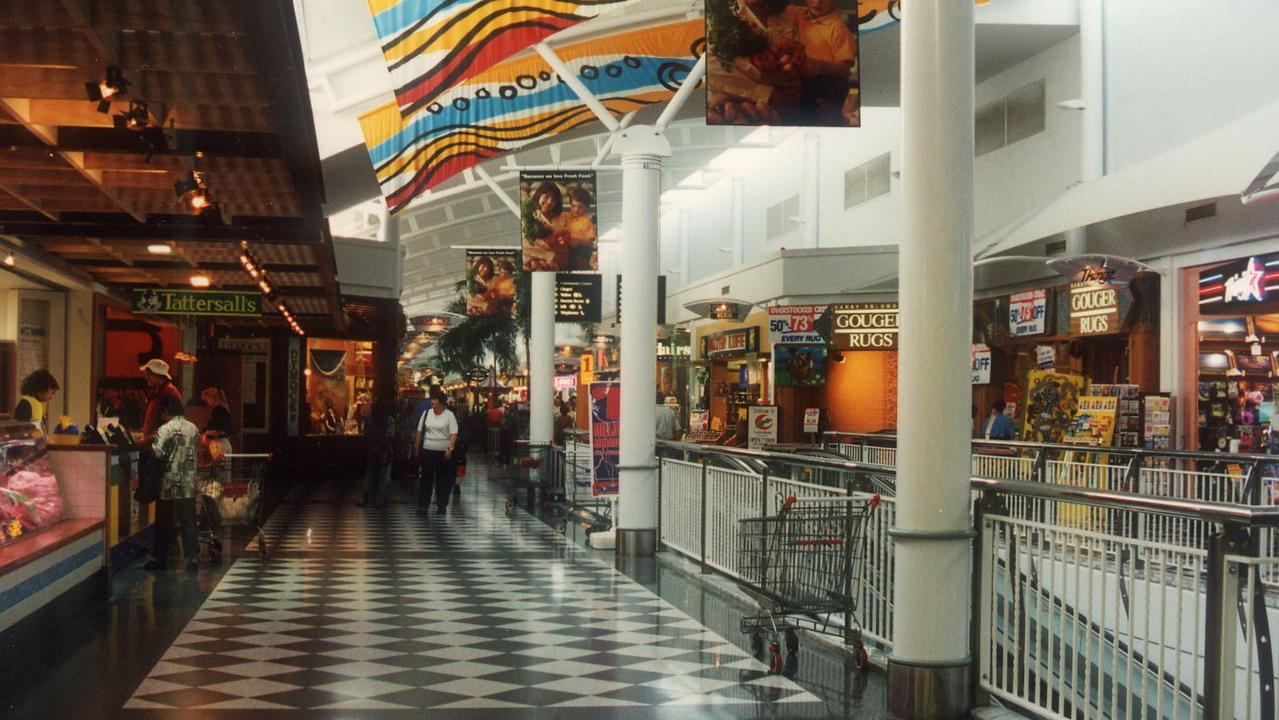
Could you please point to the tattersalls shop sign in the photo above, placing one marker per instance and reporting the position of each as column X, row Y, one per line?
column 222, row 303
column 1094, row 309
column 1242, row 286
column 731, row 343
column 1028, row 312
column 864, row 326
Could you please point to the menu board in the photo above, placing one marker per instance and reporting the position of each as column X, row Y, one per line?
column 578, row 297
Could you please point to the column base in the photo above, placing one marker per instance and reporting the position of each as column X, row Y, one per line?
column 640, row 542
column 928, row 692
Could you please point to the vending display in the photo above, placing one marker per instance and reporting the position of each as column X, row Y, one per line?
column 30, row 495
column 1156, row 421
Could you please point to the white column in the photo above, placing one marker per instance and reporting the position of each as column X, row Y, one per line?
column 812, row 197
column 541, row 361
column 1092, row 86
column 928, row 671
column 642, row 150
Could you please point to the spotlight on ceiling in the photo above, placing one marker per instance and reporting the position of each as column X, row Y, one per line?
column 137, row 118
column 160, row 249
column 102, row 91
column 195, row 196
column 152, row 141
column 200, row 281
column 10, row 260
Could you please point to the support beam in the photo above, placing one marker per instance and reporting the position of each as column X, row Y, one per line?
column 928, row 673
column 571, row 79
column 681, row 96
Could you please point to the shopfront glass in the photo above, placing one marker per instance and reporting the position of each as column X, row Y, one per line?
column 339, row 385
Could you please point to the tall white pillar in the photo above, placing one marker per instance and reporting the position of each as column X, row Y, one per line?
column 928, row 671
column 642, row 150
column 541, row 361
column 1092, row 86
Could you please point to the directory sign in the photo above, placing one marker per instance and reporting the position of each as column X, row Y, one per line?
column 578, row 297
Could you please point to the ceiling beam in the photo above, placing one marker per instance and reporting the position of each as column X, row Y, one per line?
column 15, row 194
column 166, row 228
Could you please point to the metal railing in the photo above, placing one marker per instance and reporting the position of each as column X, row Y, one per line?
column 1089, row 601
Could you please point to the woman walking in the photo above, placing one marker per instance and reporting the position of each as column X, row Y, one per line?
column 434, row 443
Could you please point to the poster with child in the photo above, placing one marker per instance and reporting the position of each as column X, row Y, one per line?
column 782, row 62
column 558, row 221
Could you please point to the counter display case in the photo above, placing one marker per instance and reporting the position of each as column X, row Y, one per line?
column 31, row 498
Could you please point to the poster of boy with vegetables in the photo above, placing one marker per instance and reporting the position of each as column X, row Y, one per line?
column 782, row 62
column 557, row 221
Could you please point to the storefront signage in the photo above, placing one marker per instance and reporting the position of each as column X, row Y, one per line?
column 606, row 418
column 981, row 364
column 1094, row 309
column 295, row 384
column 795, row 325
column 565, row 383
column 673, row 351
column 248, row 346
column 731, row 343
column 221, row 303
column 763, row 426
column 812, row 420
column 1028, row 312
column 865, row 326
column 578, row 297
column 1239, row 286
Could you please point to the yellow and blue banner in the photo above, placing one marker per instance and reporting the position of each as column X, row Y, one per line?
column 522, row 101
column 432, row 45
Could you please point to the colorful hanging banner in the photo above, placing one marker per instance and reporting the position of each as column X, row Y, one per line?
column 522, row 101
column 490, row 282
column 432, row 45
column 557, row 220
column 606, row 421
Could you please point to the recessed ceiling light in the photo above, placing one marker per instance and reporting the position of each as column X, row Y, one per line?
column 160, row 249
column 200, row 281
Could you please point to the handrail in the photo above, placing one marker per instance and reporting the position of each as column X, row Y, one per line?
column 1194, row 509
column 789, row 458
column 1023, row 444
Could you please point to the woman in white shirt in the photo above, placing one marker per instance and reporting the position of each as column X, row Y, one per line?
column 435, row 440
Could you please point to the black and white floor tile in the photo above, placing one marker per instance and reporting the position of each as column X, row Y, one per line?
column 366, row 609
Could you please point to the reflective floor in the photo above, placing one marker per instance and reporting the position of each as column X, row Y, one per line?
column 364, row 612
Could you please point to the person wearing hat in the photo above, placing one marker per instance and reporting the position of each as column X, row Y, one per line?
column 159, row 386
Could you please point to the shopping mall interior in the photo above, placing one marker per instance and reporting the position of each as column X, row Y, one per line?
column 318, row 396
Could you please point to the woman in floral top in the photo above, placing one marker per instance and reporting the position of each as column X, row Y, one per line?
column 176, row 446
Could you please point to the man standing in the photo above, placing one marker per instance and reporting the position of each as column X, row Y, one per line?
column 998, row 426
column 159, row 387
column 176, row 443
column 667, row 421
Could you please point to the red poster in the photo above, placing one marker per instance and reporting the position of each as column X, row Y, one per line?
column 606, row 416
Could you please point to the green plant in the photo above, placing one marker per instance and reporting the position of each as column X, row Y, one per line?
column 727, row 35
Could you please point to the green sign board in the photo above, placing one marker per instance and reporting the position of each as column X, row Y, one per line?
column 224, row 303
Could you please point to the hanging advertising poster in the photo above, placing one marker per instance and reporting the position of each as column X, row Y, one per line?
column 1094, row 421
column 490, row 282
column 1028, row 312
column 799, row 365
column 558, row 220
column 782, row 63
column 762, row 429
column 606, row 419
column 1051, row 401
column 981, row 364
column 795, row 325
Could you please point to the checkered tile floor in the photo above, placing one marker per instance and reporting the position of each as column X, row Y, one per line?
column 384, row 610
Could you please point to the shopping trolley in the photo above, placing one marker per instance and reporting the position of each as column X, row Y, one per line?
column 802, row 565
column 229, row 492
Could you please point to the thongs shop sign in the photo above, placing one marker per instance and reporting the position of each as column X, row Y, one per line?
column 864, row 326
column 1248, row 285
column 221, row 303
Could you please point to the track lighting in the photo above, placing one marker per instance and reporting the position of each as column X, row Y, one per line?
column 10, row 260
column 137, row 118
column 195, row 195
column 102, row 91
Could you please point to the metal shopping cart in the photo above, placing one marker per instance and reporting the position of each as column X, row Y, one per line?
column 802, row 565
column 229, row 492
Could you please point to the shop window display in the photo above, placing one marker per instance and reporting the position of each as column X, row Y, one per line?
column 1235, row 392
column 339, row 386
column 30, row 495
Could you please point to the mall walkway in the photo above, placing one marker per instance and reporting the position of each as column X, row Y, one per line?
column 366, row 613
